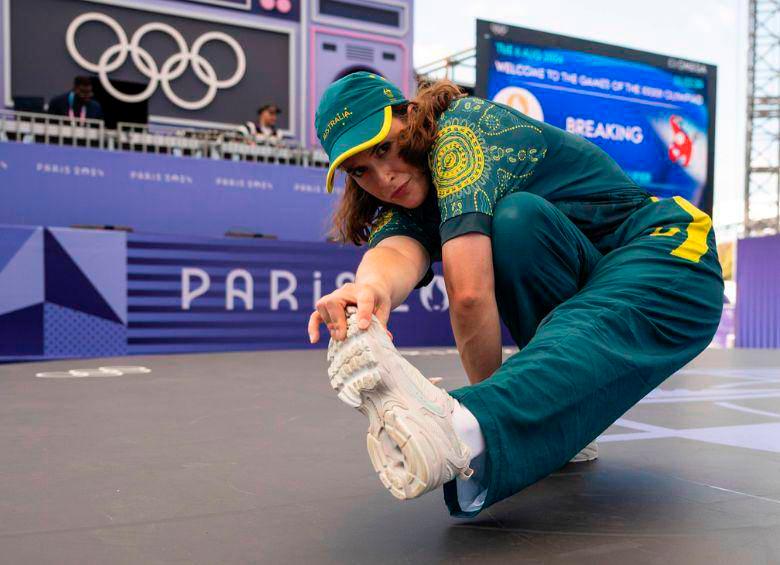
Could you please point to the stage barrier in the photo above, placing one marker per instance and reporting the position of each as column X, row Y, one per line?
column 88, row 293
column 95, row 293
column 71, row 186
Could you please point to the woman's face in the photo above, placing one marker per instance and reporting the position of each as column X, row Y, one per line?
column 382, row 172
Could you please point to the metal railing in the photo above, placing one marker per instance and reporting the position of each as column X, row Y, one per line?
column 238, row 145
column 29, row 127
column 459, row 67
column 139, row 138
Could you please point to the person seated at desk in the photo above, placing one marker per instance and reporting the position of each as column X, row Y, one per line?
column 266, row 122
column 78, row 102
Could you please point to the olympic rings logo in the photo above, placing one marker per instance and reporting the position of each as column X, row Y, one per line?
column 116, row 55
column 99, row 372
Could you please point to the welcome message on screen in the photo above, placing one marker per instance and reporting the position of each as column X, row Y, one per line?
column 652, row 121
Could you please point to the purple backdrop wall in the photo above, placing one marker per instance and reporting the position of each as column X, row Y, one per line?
column 758, row 292
column 197, row 294
column 85, row 293
column 65, row 186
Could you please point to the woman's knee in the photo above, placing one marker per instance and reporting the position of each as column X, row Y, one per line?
column 521, row 223
column 521, row 210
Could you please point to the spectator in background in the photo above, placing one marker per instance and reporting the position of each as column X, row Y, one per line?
column 78, row 102
column 266, row 122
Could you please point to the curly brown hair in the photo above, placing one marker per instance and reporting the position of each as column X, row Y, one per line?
column 358, row 211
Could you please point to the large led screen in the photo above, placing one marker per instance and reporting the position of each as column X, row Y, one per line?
column 652, row 113
column 191, row 69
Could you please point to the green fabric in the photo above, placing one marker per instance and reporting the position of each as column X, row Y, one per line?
column 420, row 224
column 587, row 281
column 474, row 222
column 485, row 151
column 347, row 103
column 597, row 332
column 351, row 114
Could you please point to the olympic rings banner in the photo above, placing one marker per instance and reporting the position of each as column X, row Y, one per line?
column 190, row 70
column 84, row 293
column 115, row 56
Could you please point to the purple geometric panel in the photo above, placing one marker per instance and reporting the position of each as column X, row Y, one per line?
column 758, row 292
column 68, row 286
column 21, row 332
column 21, row 277
column 69, row 333
column 11, row 240
column 102, row 257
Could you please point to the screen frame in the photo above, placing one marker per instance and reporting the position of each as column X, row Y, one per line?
column 488, row 31
column 231, row 19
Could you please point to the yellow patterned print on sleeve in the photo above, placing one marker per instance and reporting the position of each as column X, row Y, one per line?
column 458, row 161
column 383, row 220
column 482, row 152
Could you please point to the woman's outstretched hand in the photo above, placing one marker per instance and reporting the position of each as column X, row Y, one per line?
column 331, row 309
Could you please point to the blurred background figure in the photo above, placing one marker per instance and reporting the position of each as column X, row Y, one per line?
column 78, row 102
column 267, row 115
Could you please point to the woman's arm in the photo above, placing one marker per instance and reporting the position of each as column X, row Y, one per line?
column 395, row 265
column 385, row 277
column 468, row 274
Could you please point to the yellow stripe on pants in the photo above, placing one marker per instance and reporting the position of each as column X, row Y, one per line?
column 695, row 244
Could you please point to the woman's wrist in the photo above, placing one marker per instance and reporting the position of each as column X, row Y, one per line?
column 379, row 287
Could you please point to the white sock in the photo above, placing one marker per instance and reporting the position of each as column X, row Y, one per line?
column 471, row 493
column 468, row 430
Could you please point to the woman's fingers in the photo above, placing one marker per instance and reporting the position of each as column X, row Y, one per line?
column 383, row 313
column 314, row 327
column 365, row 305
column 338, row 320
column 331, row 311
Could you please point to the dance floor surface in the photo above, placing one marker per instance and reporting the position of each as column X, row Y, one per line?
column 250, row 458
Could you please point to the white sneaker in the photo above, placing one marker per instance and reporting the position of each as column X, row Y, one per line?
column 411, row 441
column 589, row 453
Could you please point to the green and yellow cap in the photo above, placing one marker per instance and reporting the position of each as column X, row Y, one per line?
column 354, row 114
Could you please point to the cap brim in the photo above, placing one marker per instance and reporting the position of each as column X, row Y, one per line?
column 361, row 136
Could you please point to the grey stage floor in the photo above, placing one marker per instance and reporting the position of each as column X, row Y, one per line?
column 250, row 458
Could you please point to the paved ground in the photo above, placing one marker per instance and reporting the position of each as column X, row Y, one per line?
column 249, row 458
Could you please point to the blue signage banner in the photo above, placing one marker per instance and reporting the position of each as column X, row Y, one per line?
column 66, row 186
column 93, row 293
column 188, row 294
column 87, row 293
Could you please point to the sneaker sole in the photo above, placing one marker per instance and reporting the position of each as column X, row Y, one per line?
column 589, row 453
column 392, row 440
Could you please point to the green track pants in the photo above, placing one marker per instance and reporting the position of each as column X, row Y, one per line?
column 597, row 332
